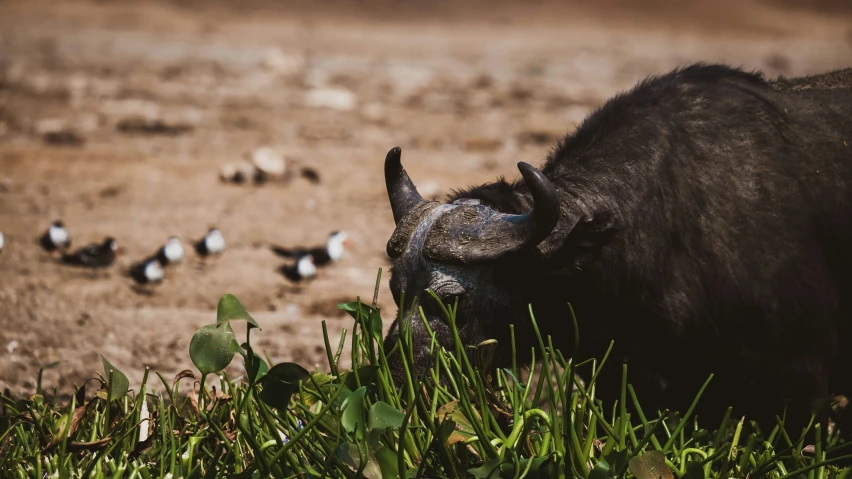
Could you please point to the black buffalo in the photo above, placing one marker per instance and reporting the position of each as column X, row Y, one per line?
column 702, row 220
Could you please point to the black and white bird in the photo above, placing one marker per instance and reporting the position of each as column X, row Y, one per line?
column 171, row 252
column 148, row 271
column 93, row 255
column 2, row 242
column 331, row 252
column 212, row 243
column 56, row 237
column 304, row 269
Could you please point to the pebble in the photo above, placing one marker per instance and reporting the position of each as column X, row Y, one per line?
column 339, row 99
column 285, row 63
column 49, row 125
column 268, row 162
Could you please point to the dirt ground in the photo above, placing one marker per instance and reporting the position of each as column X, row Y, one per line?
column 467, row 89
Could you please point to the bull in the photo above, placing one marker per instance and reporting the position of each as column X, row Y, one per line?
column 702, row 220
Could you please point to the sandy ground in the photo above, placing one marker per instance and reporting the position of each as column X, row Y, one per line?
column 467, row 89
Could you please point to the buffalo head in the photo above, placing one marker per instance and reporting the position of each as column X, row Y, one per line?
column 464, row 251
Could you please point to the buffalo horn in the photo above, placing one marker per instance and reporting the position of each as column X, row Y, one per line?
column 401, row 191
column 472, row 234
column 542, row 219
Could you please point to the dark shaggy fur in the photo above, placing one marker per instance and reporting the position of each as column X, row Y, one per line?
column 706, row 227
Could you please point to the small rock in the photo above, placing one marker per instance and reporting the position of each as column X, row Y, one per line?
column 339, row 99
column 49, row 125
column 152, row 127
column 244, row 172
column 56, row 131
column 12, row 346
column 284, row 63
column 228, row 172
column 130, row 108
column 237, row 172
column 269, row 163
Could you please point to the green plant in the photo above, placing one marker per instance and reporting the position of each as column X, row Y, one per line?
column 456, row 420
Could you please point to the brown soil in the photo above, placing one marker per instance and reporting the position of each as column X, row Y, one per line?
column 467, row 89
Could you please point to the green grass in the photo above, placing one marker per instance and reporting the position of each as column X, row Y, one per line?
column 284, row 421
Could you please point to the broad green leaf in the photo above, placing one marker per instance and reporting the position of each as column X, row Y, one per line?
column 352, row 417
column 542, row 467
column 350, row 455
column 280, row 383
column 651, row 465
column 374, row 439
column 230, row 308
column 371, row 316
column 382, row 415
column 324, row 381
column 618, row 461
column 342, row 396
column 535, row 470
column 485, row 470
column 463, row 428
column 118, row 383
column 255, row 366
column 367, row 375
column 445, row 429
column 213, row 347
column 387, row 461
column 602, row 470
column 59, row 427
column 375, row 324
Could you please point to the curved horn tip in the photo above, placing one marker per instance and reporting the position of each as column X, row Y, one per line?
column 527, row 169
column 546, row 207
column 393, row 160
